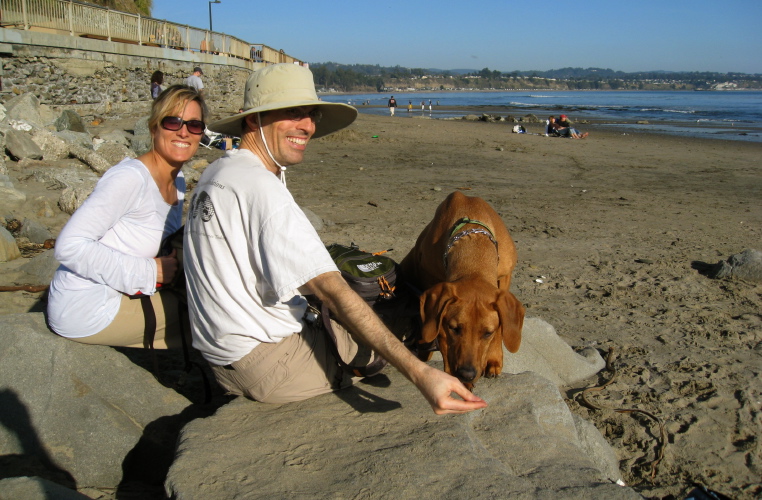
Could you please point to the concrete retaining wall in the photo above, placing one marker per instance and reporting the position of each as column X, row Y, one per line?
column 101, row 76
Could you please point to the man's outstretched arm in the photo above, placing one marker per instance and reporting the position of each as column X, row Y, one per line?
column 357, row 316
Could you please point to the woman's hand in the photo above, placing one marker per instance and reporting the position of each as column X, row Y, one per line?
column 166, row 267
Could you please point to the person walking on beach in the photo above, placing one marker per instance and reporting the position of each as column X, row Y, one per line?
column 392, row 104
column 251, row 256
column 423, row 105
column 410, row 106
column 194, row 80
column 429, row 105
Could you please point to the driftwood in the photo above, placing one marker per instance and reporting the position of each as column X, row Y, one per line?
column 25, row 288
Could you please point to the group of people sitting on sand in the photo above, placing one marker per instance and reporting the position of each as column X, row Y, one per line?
column 562, row 128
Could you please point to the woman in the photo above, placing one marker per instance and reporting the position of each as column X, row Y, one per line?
column 157, row 79
column 108, row 248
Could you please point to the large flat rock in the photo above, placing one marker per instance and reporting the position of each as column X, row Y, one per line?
column 383, row 441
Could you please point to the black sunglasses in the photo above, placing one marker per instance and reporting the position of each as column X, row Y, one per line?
column 175, row 123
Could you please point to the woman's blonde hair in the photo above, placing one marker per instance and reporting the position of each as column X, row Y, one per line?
column 172, row 99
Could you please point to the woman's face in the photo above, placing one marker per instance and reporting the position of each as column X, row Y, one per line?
column 178, row 146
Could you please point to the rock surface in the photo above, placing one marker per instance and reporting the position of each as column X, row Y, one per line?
column 381, row 440
column 76, row 414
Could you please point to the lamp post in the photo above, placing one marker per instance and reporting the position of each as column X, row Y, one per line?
column 210, row 12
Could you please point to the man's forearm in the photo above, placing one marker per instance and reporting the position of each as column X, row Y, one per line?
column 358, row 317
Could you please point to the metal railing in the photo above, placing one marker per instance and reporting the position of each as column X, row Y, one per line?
column 90, row 21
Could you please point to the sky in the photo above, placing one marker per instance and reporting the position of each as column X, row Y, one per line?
column 504, row 35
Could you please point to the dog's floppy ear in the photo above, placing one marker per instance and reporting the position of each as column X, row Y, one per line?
column 511, row 314
column 434, row 302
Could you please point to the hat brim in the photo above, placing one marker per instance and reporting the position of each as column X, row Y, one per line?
column 336, row 116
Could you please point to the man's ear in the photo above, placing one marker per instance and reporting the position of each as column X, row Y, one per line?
column 250, row 122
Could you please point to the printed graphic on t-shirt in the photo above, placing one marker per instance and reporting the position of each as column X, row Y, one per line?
column 202, row 206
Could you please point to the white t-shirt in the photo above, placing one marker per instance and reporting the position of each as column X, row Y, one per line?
column 195, row 82
column 107, row 248
column 248, row 248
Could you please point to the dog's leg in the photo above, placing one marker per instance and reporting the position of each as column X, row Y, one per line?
column 494, row 363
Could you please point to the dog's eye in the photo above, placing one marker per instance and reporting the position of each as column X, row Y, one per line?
column 488, row 334
column 455, row 329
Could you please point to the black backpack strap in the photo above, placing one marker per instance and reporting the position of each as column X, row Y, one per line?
column 149, row 331
column 183, row 316
column 369, row 370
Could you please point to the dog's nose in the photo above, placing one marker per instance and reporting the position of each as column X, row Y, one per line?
column 466, row 373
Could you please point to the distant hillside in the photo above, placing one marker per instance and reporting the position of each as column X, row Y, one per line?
column 366, row 77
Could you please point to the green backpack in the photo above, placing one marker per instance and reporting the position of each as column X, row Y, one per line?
column 372, row 276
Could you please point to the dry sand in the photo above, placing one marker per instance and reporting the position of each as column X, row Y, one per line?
column 607, row 231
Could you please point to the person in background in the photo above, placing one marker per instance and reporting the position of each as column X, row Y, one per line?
column 157, row 79
column 392, row 104
column 108, row 249
column 409, row 106
column 251, row 255
column 564, row 123
column 194, row 80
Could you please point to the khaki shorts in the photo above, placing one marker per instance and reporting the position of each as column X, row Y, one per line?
column 298, row 367
column 128, row 327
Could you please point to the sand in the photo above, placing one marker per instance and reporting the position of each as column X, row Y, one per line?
column 608, row 231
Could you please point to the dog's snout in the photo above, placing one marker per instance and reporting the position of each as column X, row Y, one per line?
column 466, row 373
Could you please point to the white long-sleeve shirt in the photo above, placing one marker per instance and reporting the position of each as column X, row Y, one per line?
column 107, row 249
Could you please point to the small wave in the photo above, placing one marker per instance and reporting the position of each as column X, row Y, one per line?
column 663, row 110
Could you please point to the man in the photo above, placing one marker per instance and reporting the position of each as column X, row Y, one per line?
column 392, row 104
column 251, row 255
column 194, row 80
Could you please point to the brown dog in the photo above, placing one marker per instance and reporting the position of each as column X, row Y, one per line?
column 463, row 260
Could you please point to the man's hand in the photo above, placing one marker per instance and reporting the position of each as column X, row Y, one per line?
column 358, row 317
column 437, row 387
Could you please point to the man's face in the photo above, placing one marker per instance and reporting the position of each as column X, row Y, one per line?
column 288, row 131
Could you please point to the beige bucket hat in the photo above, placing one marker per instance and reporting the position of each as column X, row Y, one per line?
column 280, row 86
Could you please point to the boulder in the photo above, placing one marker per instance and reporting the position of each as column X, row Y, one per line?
column 34, row 231
column 90, row 158
column 117, row 136
column 52, row 146
column 141, row 144
column 542, row 351
column 66, row 177
column 525, row 441
column 114, row 152
column 141, row 127
column 36, row 488
column 746, row 265
column 70, row 120
column 80, row 414
column 26, row 108
column 8, row 193
column 41, row 267
column 9, row 250
column 76, row 138
column 20, row 145
column 382, row 437
column 73, row 197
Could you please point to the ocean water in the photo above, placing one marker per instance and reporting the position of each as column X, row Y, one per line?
column 730, row 115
